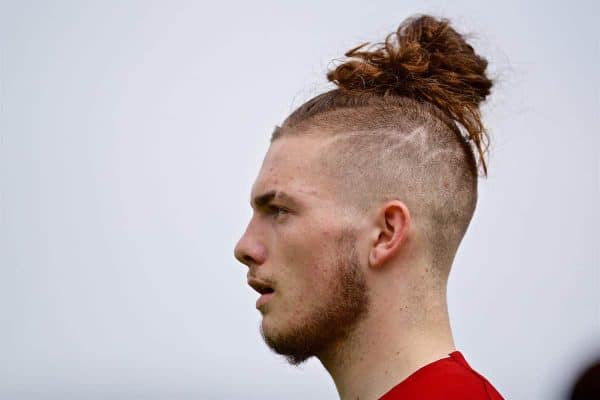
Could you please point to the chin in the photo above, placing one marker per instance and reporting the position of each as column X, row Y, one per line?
column 273, row 328
column 268, row 324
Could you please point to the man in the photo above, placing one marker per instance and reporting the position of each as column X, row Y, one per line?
column 359, row 207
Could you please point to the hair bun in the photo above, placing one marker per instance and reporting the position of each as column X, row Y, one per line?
column 426, row 60
column 423, row 57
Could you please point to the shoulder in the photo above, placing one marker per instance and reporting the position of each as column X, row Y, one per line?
column 449, row 378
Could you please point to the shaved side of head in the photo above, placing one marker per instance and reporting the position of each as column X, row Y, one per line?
column 407, row 151
column 405, row 123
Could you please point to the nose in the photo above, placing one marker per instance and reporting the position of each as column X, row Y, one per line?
column 249, row 250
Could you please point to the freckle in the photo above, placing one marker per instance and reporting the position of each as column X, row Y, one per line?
column 387, row 372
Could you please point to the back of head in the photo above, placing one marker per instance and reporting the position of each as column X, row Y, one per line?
column 404, row 123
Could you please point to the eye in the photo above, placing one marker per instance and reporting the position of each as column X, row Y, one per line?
column 277, row 211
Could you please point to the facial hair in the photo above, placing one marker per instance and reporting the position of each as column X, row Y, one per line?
column 334, row 318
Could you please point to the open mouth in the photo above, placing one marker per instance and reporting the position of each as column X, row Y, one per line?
column 265, row 290
column 260, row 286
column 266, row 295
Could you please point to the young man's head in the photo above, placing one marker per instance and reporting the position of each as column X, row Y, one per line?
column 367, row 190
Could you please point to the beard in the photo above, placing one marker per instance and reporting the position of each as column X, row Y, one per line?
column 333, row 320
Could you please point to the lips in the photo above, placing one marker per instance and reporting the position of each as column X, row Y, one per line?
column 263, row 299
column 262, row 287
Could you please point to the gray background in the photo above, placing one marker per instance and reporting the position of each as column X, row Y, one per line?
column 131, row 133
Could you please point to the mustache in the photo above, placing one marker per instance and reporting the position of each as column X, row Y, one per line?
column 264, row 281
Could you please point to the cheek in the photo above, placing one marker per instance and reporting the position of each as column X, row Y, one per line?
column 313, row 270
column 295, row 243
column 305, row 256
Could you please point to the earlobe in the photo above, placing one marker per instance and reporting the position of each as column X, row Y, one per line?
column 393, row 223
column 374, row 258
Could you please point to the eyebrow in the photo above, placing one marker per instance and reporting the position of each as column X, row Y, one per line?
column 264, row 199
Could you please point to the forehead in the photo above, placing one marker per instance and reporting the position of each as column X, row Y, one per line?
column 292, row 164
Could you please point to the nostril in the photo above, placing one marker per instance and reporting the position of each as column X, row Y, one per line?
column 250, row 252
column 242, row 255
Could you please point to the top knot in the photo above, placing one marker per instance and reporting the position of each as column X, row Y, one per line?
column 423, row 56
column 426, row 60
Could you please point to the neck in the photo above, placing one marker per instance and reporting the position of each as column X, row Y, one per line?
column 387, row 346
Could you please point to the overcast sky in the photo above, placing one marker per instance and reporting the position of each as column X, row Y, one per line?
column 131, row 133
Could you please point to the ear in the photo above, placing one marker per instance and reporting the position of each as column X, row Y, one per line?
column 391, row 232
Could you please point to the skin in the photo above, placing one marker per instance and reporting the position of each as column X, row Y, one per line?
column 354, row 290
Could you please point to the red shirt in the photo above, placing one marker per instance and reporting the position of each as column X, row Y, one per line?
column 450, row 378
